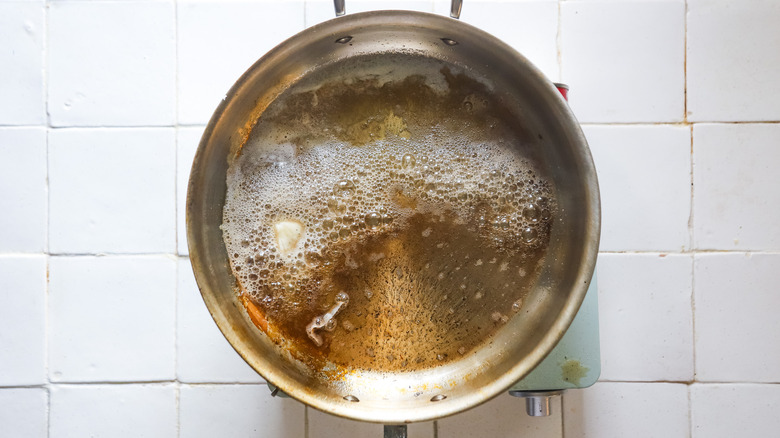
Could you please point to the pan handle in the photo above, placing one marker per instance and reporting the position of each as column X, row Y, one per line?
column 341, row 9
column 455, row 8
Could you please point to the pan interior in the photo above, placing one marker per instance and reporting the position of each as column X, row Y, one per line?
column 434, row 192
column 419, row 216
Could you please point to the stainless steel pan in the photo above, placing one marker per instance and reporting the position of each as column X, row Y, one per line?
column 562, row 150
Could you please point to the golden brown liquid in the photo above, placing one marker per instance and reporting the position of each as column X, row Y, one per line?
column 434, row 227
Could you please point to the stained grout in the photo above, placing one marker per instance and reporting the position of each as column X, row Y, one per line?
column 691, row 225
column 47, row 250
column 690, row 409
column 691, row 229
column 563, row 416
column 36, row 386
column 688, row 382
column 685, row 62
column 177, row 392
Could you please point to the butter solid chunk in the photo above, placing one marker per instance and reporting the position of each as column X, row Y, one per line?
column 288, row 233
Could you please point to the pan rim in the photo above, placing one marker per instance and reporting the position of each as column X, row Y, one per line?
column 501, row 383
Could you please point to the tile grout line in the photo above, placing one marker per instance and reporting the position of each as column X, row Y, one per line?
column 693, row 300
column 694, row 252
column 46, row 341
column 558, row 39
column 138, row 382
column 689, row 382
column 691, row 235
column 177, row 383
column 563, row 415
column 47, row 245
column 176, row 140
column 685, row 63
column 177, row 392
column 671, row 382
column 305, row 421
column 691, row 240
column 36, row 386
column 685, row 122
column 689, row 388
column 691, row 229
column 112, row 127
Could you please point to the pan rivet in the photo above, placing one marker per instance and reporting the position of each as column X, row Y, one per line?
column 344, row 39
column 351, row 398
column 449, row 42
column 438, row 397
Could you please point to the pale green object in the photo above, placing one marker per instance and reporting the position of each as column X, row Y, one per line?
column 576, row 361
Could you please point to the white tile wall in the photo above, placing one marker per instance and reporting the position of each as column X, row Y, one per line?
column 101, row 108
column 23, row 185
column 645, row 183
column 724, row 411
column 23, row 412
column 647, row 297
column 112, row 190
column 736, row 199
column 738, row 331
column 113, row 411
column 619, row 410
column 530, row 27
column 22, row 320
column 111, row 63
column 22, row 31
column 220, row 40
column 624, row 60
column 207, row 411
column 111, row 319
column 732, row 60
